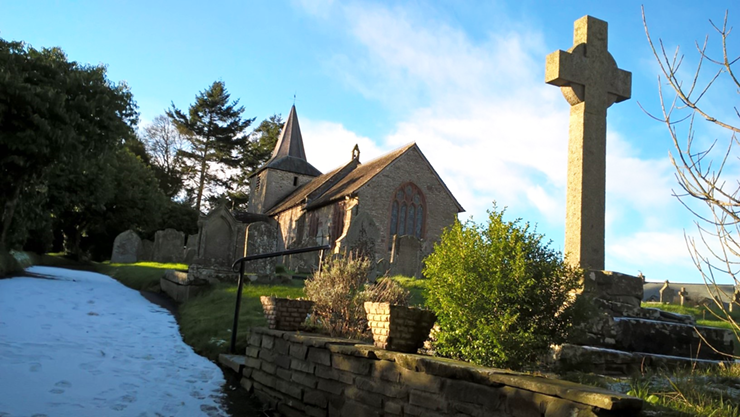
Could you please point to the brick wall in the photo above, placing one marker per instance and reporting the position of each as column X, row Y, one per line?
column 285, row 314
column 307, row 375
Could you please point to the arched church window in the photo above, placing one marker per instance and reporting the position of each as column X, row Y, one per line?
column 407, row 211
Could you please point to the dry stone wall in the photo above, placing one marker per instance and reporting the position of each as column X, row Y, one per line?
column 307, row 375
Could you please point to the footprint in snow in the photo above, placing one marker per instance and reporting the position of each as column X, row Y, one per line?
column 35, row 367
column 63, row 384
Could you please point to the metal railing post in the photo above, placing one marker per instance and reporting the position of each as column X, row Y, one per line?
column 232, row 348
column 240, row 285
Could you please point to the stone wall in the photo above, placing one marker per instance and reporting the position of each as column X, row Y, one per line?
column 306, row 375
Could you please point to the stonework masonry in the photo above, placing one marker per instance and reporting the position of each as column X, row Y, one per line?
column 281, row 183
column 308, row 375
column 376, row 198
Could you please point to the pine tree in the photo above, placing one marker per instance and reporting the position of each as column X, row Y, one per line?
column 215, row 129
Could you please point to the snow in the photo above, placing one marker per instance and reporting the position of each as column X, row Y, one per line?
column 83, row 344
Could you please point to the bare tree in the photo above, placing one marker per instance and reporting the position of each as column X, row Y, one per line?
column 707, row 173
column 164, row 144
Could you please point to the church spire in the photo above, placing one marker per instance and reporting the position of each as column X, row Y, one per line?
column 290, row 142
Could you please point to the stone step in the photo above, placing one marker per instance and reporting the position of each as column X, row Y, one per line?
column 604, row 361
column 672, row 339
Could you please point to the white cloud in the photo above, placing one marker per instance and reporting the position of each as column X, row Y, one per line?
column 666, row 248
column 482, row 114
column 329, row 145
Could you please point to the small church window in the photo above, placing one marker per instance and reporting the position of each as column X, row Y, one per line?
column 295, row 181
column 407, row 211
column 394, row 218
column 410, row 221
column 419, row 219
column 402, row 220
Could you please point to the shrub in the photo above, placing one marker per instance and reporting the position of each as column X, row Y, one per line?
column 387, row 290
column 502, row 296
column 340, row 290
column 338, row 293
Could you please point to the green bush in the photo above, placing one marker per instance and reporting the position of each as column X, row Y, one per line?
column 501, row 294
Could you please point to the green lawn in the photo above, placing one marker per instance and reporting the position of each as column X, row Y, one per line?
column 703, row 315
column 139, row 276
column 417, row 288
column 206, row 320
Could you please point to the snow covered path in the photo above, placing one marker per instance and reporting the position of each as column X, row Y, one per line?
column 82, row 344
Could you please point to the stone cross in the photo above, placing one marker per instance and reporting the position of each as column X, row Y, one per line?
column 591, row 82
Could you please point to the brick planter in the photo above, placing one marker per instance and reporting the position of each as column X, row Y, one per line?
column 284, row 313
column 399, row 328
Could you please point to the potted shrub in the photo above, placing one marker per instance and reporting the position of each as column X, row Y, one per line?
column 285, row 313
column 397, row 327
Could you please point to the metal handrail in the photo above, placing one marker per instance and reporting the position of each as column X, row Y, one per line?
column 241, row 261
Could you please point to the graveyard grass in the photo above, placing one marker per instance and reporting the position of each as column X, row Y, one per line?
column 139, row 276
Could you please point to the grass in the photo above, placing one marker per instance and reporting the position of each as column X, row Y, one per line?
column 206, row 321
column 417, row 288
column 139, row 276
column 711, row 392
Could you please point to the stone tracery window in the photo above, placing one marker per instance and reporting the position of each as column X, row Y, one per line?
column 407, row 211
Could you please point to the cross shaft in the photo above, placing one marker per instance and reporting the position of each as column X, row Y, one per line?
column 591, row 82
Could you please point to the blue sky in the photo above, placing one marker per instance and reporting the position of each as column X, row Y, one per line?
column 465, row 80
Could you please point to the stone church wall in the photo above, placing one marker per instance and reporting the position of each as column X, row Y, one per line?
column 376, row 198
column 281, row 185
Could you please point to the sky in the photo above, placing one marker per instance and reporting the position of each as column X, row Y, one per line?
column 462, row 79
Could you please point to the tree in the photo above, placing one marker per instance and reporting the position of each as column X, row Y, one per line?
column 51, row 109
column 215, row 130
column 254, row 153
column 502, row 296
column 164, row 145
column 706, row 173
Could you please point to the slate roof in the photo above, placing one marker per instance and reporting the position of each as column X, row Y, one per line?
column 345, row 181
column 289, row 154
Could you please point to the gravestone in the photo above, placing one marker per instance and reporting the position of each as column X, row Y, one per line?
column 361, row 237
column 667, row 294
column 126, row 248
column 261, row 238
column 591, row 82
column 191, row 248
column 219, row 242
column 406, row 256
column 147, row 251
column 168, row 246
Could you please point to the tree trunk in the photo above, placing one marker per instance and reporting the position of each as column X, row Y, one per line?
column 201, row 184
column 8, row 212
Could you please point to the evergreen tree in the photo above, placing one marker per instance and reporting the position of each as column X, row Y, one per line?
column 255, row 152
column 215, row 129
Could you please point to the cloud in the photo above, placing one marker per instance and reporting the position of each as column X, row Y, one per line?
column 480, row 111
column 329, row 145
column 667, row 248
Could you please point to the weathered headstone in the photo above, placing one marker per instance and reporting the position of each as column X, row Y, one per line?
column 168, row 246
column 667, row 293
column 406, row 256
column 591, row 82
column 261, row 238
column 126, row 248
column 683, row 294
column 191, row 248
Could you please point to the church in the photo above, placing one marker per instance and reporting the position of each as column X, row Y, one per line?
column 391, row 209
